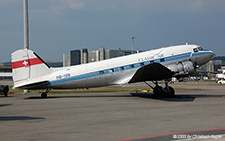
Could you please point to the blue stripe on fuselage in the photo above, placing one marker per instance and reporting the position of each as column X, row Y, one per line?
column 117, row 69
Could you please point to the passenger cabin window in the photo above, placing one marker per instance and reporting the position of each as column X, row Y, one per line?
column 151, row 62
column 121, row 68
column 131, row 66
column 142, row 64
column 101, row 72
column 111, row 70
column 162, row 60
column 195, row 50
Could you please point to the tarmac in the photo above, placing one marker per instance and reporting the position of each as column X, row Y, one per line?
column 197, row 109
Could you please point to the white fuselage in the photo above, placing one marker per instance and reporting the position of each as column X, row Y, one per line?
column 121, row 69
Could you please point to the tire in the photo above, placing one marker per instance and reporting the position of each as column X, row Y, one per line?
column 171, row 92
column 44, row 95
column 158, row 90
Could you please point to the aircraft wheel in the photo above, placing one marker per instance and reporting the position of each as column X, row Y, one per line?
column 158, row 90
column 171, row 92
column 44, row 95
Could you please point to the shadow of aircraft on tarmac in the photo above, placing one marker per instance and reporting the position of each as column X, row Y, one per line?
column 2, row 105
column 176, row 98
column 76, row 96
column 13, row 118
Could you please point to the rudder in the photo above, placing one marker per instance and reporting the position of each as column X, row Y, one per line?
column 27, row 66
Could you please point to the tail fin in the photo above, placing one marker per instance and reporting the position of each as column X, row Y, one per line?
column 28, row 68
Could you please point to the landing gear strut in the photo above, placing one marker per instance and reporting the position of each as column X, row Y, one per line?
column 45, row 94
column 167, row 91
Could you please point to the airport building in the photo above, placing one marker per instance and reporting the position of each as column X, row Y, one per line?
column 211, row 67
column 5, row 72
column 83, row 56
column 209, row 70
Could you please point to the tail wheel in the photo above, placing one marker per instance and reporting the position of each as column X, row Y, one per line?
column 44, row 95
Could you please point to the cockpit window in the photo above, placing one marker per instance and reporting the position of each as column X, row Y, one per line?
column 195, row 50
column 200, row 48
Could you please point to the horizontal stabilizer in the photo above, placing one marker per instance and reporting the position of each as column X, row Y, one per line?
column 35, row 85
column 151, row 72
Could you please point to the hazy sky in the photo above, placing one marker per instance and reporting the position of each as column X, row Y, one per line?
column 58, row 26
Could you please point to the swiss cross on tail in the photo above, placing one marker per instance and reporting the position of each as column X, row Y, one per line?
column 25, row 63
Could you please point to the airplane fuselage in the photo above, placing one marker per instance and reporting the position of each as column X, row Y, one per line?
column 121, row 69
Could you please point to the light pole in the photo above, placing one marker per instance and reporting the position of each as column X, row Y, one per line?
column 132, row 37
column 26, row 28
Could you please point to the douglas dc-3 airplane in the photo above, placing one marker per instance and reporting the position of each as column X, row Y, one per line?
column 31, row 72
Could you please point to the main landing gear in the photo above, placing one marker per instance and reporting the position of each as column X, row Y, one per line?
column 167, row 91
column 45, row 94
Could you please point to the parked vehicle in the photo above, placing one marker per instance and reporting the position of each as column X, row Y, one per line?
column 221, row 76
column 196, row 78
column 222, row 81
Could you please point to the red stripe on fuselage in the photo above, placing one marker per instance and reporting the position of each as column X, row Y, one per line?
column 26, row 63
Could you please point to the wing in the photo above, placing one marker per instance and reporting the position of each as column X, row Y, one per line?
column 152, row 72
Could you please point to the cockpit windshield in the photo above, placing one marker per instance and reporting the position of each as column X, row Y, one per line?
column 200, row 48
column 195, row 50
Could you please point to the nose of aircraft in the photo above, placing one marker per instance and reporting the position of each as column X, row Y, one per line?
column 211, row 55
column 208, row 56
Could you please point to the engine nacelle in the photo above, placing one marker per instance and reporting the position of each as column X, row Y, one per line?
column 182, row 68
